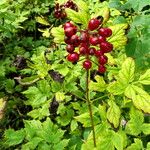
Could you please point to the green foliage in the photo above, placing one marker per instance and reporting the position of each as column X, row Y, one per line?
column 37, row 135
column 42, row 96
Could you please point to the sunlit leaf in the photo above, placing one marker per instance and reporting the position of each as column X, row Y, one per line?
column 118, row 38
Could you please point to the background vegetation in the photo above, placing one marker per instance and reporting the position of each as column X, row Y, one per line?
column 42, row 95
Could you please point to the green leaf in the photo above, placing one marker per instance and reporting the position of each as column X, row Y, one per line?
column 146, row 128
column 145, row 78
column 118, row 141
column 137, row 145
column 99, row 85
column 14, row 137
column 102, row 112
column 45, row 32
column 32, row 144
column 38, row 95
column 85, row 119
column 80, row 17
column 9, row 85
column 125, row 77
column 113, row 114
column 82, row 6
column 137, row 5
column 40, row 113
column 73, row 125
column 118, row 38
column 58, row 34
column 148, row 146
column 42, row 20
column 126, row 74
column 134, row 126
column 140, row 98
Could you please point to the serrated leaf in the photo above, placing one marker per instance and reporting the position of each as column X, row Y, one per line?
column 40, row 113
column 99, row 85
column 32, row 144
column 42, row 20
column 140, row 98
column 14, row 137
column 126, row 74
column 37, row 95
column 125, row 77
column 134, row 126
column 113, row 114
column 80, row 17
column 58, row 34
column 137, row 145
column 145, row 78
column 116, row 88
column 118, row 38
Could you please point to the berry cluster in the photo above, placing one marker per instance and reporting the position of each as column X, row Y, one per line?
column 59, row 10
column 91, row 42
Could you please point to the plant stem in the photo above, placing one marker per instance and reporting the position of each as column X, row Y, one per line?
column 89, row 105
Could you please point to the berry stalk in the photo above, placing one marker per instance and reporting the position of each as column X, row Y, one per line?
column 89, row 105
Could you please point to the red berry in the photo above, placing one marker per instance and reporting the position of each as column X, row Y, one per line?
column 87, row 64
column 106, row 47
column 93, row 24
column 93, row 40
column 75, row 40
column 101, row 39
column 74, row 57
column 70, row 31
column 106, row 32
column 99, row 53
column 84, row 45
column 83, row 50
column 84, row 37
column 67, row 40
column 68, row 24
column 103, row 59
column 102, row 69
column 70, row 48
column 92, row 51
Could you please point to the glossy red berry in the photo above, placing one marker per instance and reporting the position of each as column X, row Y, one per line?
column 103, row 59
column 67, row 40
column 70, row 31
column 84, row 37
column 74, row 57
column 99, row 53
column 93, row 40
column 106, row 32
column 87, row 64
column 68, row 24
column 75, row 40
column 93, row 24
column 106, row 47
column 92, row 51
column 70, row 48
column 101, row 39
column 83, row 50
column 102, row 69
